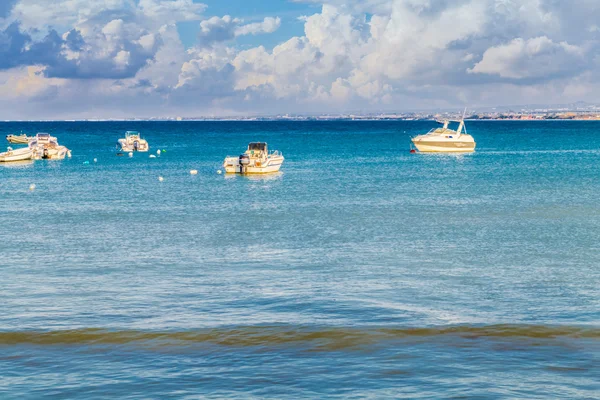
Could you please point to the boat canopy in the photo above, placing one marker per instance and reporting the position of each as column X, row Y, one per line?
column 43, row 135
column 259, row 146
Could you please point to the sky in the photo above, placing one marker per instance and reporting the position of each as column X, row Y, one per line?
column 70, row 59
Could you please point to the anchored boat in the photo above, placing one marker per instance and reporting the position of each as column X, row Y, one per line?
column 46, row 147
column 133, row 142
column 446, row 140
column 22, row 154
column 255, row 160
column 19, row 139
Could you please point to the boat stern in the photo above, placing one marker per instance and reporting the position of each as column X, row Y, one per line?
column 244, row 164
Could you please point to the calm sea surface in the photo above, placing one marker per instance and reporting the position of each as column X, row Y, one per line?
column 359, row 271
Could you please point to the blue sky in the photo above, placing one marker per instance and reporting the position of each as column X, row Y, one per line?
column 254, row 10
column 148, row 58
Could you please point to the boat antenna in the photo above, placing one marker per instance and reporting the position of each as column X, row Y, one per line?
column 463, row 121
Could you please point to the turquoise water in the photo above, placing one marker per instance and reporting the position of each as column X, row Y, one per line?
column 360, row 270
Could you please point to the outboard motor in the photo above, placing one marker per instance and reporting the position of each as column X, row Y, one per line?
column 45, row 154
column 244, row 161
column 136, row 145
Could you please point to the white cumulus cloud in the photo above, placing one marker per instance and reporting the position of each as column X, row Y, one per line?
column 351, row 54
column 534, row 58
column 222, row 29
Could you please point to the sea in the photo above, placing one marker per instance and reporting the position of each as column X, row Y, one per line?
column 360, row 271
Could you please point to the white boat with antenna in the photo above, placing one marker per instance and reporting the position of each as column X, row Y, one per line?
column 22, row 154
column 255, row 160
column 133, row 142
column 446, row 140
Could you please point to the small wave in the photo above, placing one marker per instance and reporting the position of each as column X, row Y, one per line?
column 328, row 338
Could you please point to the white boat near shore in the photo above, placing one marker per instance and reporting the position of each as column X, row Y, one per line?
column 446, row 140
column 46, row 147
column 22, row 154
column 255, row 160
column 19, row 139
column 133, row 142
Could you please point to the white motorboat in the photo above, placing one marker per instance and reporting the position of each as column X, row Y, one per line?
column 446, row 140
column 19, row 139
column 46, row 147
column 22, row 154
column 133, row 142
column 255, row 160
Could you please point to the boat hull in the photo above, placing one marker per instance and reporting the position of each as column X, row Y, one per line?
column 273, row 165
column 130, row 147
column 18, row 139
column 444, row 147
column 56, row 153
column 16, row 155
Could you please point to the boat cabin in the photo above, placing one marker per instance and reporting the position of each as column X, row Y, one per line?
column 132, row 134
column 257, row 148
column 446, row 130
column 43, row 137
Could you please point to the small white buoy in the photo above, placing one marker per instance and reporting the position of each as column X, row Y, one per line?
column 130, row 154
column 32, row 187
column 219, row 172
column 194, row 172
column 95, row 160
column 160, row 179
column 158, row 152
column 152, row 156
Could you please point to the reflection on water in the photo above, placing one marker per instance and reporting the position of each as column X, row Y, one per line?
column 257, row 177
column 17, row 164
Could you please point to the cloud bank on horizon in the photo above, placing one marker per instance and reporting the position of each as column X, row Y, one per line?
column 126, row 58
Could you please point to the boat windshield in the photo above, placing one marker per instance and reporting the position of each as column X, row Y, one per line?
column 43, row 135
column 132, row 133
column 448, row 128
column 454, row 125
column 258, row 146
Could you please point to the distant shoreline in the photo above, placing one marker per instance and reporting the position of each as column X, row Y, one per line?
column 307, row 120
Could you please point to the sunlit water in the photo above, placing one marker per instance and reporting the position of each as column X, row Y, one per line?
column 360, row 270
